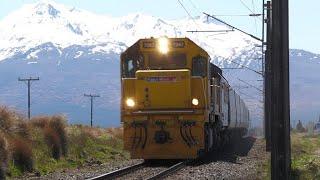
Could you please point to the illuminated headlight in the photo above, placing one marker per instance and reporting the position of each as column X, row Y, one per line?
column 195, row 101
column 130, row 102
column 163, row 45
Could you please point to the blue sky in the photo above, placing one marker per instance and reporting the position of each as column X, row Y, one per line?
column 304, row 22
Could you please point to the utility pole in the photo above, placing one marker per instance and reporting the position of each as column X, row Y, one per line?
column 267, row 77
column 280, row 125
column 29, row 80
column 92, row 96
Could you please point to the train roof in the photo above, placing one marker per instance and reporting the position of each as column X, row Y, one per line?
column 215, row 69
column 136, row 44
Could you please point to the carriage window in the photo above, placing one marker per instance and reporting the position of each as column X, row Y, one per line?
column 199, row 66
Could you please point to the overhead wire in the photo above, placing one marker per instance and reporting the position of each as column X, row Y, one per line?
column 190, row 16
column 250, row 85
column 252, row 11
column 234, row 15
column 194, row 6
column 247, row 7
column 255, row 20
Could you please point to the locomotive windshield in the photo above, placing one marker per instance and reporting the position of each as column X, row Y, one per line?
column 131, row 64
column 168, row 61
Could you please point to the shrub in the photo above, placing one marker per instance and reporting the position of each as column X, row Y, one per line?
column 53, row 142
column 4, row 156
column 22, row 154
column 6, row 119
column 12, row 123
column 117, row 132
column 58, row 124
column 22, row 129
column 54, row 133
column 40, row 121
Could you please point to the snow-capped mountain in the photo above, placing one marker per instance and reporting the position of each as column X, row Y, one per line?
column 47, row 21
column 75, row 51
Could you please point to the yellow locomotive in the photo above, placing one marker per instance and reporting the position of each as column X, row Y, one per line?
column 175, row 104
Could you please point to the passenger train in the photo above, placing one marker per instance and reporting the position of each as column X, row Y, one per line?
column 175, row 104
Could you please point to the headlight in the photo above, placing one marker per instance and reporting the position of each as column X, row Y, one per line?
column 163, row 45
column 130, row 102
column 195, row 101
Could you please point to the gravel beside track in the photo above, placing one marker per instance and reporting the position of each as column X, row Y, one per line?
column 244, row 164
column 233, row 165
column 84, row 172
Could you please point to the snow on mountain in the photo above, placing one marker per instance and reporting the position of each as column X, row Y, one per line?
column 47, row 21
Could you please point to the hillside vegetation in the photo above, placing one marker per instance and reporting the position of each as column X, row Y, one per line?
column 47, row 143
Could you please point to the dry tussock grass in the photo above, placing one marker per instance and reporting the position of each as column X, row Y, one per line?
column 54, row 133
column 21, row 154
column 92, row 132
column 4, row 155
column 98, row 132
column 6, row 119
column 116, row 132
column 40, row 121
column 53, row 142
column 58, row 123
column 12, row 122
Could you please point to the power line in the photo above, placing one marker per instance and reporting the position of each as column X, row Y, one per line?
column 246, row 67
column 238, row 15
column 230, row 68
column 29, row 80
column 250, row 85
column 254, row 37
column 188, row 13
column 242, row 66
column 210, row 31
column 245, row 5
column 91, row 96
column 249, row 96
column 194, row 6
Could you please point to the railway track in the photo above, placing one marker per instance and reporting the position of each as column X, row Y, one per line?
column 130, row 170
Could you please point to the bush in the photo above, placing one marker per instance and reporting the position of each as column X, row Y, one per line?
column 40, row 121
column 53, row 142
column 6, row 119
column 12, row 123
column 22, row 154
column 54, row 133
column 58, row 124
column 4, row 156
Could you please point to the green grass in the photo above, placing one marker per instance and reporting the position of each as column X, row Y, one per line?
column 305, row 162
column 305, row 158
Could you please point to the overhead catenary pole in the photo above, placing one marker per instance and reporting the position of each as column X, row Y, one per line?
column 268, row 90
column 29, row 80
column 263, row 70
column 280, row 126
column 92, row 96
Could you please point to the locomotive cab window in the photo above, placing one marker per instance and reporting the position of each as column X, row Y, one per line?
column 199, row 66
column 167, row 61
column 131, row 65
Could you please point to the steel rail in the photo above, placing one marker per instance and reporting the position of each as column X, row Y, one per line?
column 169, row 171
column 120, row 172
